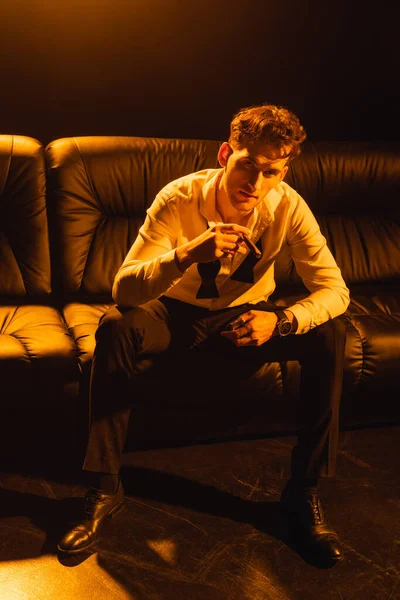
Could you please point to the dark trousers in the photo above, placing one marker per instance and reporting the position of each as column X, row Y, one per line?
column 128, row 341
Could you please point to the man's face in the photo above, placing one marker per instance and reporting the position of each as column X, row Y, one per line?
column 250, row 173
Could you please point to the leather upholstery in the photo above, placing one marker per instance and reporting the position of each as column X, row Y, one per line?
column 24, row 248
column 37, row 353
column 98, row 191
column 352, row 189
column 37, row 356
column 100, row 188
column 88, row 195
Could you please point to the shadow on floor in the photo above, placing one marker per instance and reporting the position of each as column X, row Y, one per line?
column 54, row 517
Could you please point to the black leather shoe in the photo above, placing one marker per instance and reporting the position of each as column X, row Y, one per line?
column 86, row 532
column 308, row 527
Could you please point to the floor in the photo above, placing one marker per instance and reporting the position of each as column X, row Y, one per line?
column 202, row 523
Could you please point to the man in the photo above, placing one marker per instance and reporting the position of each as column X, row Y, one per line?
column 200, row 274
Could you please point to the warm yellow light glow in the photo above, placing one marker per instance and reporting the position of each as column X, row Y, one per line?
column 165, row 549
column 45, row 575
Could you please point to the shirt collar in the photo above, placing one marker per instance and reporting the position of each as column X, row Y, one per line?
column 207, row 200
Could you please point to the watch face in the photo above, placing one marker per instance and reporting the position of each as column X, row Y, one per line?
column 285, row 328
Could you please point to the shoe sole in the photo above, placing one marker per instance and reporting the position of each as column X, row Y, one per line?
column 117, row 509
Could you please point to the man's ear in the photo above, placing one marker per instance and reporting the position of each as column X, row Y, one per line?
column 224, row 153
column 284, row 171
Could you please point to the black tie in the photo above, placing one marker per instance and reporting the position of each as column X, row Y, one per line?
column 245, row 272
column 209, row 271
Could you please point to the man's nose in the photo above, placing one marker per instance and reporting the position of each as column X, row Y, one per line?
column 256, row 180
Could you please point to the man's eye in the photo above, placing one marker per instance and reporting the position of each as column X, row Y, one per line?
column 269, row 173
column 248, row 163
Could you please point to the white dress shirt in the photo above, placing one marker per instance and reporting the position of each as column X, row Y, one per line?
column 183, row 209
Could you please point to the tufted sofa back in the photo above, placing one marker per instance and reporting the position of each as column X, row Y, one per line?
column 354, row 191
column 99, row 188
column 24, row 244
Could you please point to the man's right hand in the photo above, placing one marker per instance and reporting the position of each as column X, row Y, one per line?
column 222, row 240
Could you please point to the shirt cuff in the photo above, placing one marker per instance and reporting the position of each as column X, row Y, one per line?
column 169, row 268
column 303, row 317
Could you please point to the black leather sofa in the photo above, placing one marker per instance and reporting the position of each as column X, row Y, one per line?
column 71, row 212
column 38, row 369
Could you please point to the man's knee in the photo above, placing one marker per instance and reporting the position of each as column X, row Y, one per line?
column 114, row 322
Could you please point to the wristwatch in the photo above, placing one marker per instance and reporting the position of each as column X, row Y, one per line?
column 283, row 326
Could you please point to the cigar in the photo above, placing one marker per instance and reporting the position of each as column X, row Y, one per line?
column 252, row 247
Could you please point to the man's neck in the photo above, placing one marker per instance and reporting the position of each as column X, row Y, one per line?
column 237, row 218
column 226, row 210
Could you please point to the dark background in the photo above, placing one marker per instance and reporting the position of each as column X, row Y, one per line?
column 172, row 68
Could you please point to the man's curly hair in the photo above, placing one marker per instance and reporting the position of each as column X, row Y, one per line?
column 268, row 124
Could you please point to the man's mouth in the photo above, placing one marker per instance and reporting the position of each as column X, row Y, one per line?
column 247, row 195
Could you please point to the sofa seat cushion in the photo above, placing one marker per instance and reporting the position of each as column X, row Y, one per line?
column 37, row 355
column 375, row 300
column 374, row 312
column 373, row 344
